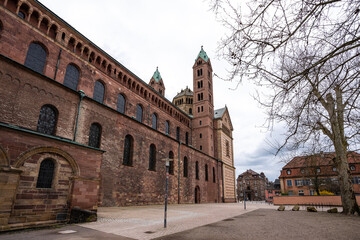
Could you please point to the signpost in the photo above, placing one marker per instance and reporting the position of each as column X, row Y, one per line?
column 244, row 197
column 167, row 164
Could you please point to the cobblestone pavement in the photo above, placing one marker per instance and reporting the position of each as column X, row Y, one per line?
column 271, row 224
column 203, row 221
column 147, row 222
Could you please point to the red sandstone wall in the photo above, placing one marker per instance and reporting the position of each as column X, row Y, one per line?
column 26, row 92
column 16, row 37
column 26, row 151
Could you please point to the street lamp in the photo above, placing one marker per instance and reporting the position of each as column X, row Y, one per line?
column 244, row 196
column 167, row 164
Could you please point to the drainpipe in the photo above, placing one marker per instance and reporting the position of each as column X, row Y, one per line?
column 217, row 174
column 179, row 175
column 222, row 177
column 191, row 124
column 57, row 63
column 82, row 95
column 148, row 118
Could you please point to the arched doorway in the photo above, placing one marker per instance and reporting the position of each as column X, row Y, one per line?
column 197, row 194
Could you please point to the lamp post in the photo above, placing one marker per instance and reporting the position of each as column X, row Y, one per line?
column 167, row 164
column 244, row 197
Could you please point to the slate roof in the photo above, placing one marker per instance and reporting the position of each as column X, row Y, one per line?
column 249, row 171
column 322, row 159
column 219, row 112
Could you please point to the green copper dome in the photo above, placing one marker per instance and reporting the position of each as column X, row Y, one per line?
column 203, row 55
column 157, row 75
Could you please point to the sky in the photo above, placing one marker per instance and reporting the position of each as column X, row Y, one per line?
column 168, row 34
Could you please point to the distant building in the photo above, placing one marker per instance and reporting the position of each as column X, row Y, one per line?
column 272, row 189
column 254, row 185
column 304, row 175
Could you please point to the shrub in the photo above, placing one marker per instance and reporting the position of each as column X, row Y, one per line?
column 325, row 193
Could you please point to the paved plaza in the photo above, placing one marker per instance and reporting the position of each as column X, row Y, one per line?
column 204, row 221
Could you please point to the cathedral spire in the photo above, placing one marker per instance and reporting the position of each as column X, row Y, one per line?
column 202, row 54
column 157, row 75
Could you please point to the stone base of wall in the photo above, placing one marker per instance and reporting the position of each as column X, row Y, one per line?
column 40, row 224
column 229, row 200
column 310, row 200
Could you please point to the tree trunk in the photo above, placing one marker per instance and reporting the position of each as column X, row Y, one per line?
column 337, row 125
column 317, row 184
column 346, row 189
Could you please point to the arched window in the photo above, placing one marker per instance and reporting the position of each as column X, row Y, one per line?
column 47, row 120
column 178, row 133
column 99, row 91
column 36, row 58
column 206, row 173
column 171, row 166
column 214, row 175
column 167, row 127
column 95, row 135
column 227, row 148
column 121, row 103
column 71, row 79
column 152, row 158
column 197, row 170
column 154, row 121
column 190, row 111
column 46, row 174
column 128, row 150
column 185, row 167
column 139, row 113
column 186, row 138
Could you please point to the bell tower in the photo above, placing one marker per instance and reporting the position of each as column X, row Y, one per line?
column 157, row 83
column 203, row 106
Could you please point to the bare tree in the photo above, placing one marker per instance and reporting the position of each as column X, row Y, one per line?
column 306, row 54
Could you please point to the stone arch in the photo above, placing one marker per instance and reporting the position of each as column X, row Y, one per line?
column 34, row 18
column 53, row 30
column 71, row 43
column 4, row 160
column 44, row 24
column 104, row 64
column 86, row 51
column 78, row 48
column 48, row 149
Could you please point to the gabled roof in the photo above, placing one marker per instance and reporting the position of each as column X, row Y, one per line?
column 249, row 172
column 203, row 55
column 218, row 113
column 322, row 159
column 157, row 75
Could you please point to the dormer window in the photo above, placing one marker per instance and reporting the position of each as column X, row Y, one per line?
column 288, row 172
column 352, row 167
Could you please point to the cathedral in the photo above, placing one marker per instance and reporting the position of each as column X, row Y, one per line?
column 80, row 130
